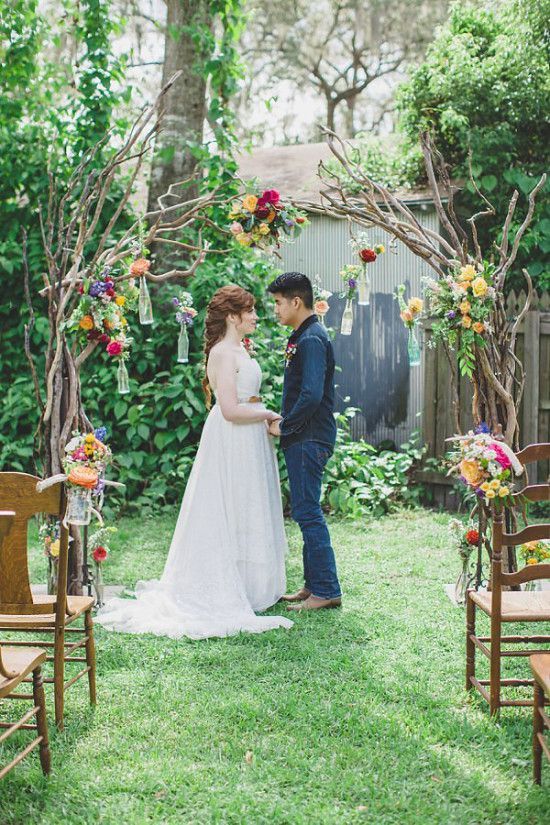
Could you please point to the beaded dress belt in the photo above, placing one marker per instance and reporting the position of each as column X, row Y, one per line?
column 254, row 399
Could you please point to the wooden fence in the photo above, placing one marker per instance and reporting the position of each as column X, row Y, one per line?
column 533, row 350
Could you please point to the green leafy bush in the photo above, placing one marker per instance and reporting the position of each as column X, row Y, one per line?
column 362, row 480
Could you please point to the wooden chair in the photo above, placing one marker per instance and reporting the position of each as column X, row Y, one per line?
column 41, row 614
column 540, row 665
column 503, row 606
column 15, row 666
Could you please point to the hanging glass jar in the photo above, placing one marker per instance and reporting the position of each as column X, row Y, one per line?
column 122, row 378
column 52, row 576
column 145, row 305
column 413, row 348
column 347, row 318
column 183, row 345
column 99, row 585
column 463, row 582
column 79, row 505
column 364, row 288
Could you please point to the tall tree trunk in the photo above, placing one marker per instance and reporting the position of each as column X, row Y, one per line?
column 185, row 104
column 349, row 118
column 331, row 112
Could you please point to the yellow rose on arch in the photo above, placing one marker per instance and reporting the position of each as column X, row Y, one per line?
column 468, row 273
column 479, row 287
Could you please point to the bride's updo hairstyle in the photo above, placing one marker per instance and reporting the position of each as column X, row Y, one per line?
column 228, row 300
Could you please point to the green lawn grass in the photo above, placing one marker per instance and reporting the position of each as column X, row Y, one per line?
column 357, row 715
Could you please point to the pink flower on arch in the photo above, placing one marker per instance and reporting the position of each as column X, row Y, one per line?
column 114, row 348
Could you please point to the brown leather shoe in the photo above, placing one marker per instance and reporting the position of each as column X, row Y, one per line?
column 300, row 596
column 315, row 603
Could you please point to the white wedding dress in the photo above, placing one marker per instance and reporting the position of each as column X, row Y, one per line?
column 227, row 554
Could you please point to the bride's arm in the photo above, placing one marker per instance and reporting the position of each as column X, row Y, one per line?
column 221, row 364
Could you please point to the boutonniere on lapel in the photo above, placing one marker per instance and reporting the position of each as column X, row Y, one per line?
column 248, row 344
column 289, row 353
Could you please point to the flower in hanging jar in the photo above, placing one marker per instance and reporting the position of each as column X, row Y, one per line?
column 139, row 267
column 472, row 536
column 99, row 554
column 83, row 477
column 367, row 255
column 416, row 305
column 321, row 307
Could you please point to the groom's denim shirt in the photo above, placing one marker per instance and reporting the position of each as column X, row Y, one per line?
column 308, row 389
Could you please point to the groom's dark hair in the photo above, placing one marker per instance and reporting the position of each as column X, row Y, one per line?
column 293, row 285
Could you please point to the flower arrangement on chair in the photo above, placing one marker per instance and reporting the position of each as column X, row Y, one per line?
column 264, row 221
column 485, row 465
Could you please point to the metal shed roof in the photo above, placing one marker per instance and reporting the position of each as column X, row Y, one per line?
column 293, row 171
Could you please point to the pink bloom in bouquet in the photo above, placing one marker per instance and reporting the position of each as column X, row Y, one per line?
column 236, row 228
column 269, row 196
column 501, row 456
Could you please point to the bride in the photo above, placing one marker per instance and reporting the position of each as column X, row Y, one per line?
column 226, row 559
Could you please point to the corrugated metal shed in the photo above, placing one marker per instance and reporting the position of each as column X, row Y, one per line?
column 374, row 369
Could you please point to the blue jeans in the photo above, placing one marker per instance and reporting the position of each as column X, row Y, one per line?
column 305, row 463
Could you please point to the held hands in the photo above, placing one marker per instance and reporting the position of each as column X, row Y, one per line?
column 275, row 427
column 272, row 421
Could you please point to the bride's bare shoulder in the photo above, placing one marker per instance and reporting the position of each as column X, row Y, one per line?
column 221, row 352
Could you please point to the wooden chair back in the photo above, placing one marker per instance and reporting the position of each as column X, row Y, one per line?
column 19, row 497
column 533, row 532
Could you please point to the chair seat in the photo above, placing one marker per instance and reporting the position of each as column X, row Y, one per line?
column 20, row 661
column 517, row 606
column 540, row 665
column 77, row 605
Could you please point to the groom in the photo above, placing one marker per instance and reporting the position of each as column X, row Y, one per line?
column 308, row 432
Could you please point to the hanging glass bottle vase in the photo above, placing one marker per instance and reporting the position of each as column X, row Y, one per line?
column 122, row 378
column 99, row 585
column 364, row 288
column 52, row 576
column 183, row 345
column 145, row 305
column 413, row 348
column 463, row 582
column 347, row 318
column 79, row 505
